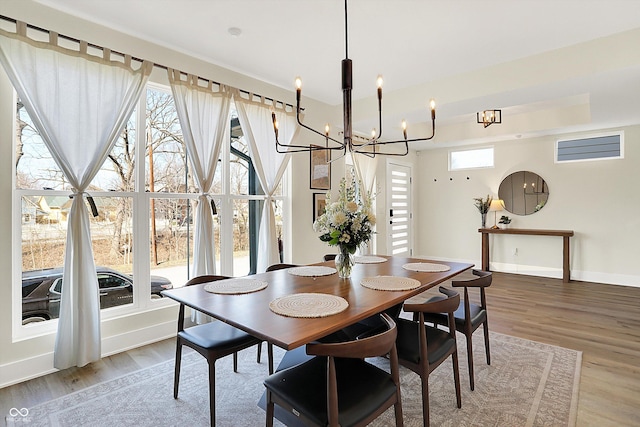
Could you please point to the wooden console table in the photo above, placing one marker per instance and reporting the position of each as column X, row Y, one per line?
column 565, row 234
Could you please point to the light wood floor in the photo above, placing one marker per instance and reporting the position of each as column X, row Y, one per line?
column 602, row 321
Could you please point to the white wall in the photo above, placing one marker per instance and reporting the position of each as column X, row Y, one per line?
column 596, row 199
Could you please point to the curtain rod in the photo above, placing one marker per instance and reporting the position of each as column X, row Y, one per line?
column 164, row 67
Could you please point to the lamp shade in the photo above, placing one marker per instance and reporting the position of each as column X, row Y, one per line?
column 496, row 205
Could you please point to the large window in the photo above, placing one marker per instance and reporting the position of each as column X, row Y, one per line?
column 43, row 196
column 145, row 197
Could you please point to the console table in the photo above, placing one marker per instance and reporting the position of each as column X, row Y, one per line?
column 565, row 234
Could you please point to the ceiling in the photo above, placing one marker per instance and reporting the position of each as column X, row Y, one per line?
column 517, row 55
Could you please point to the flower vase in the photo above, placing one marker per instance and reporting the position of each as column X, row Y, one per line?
column 344, row 262
column 484, row 220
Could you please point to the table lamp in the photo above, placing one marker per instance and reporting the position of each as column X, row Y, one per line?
column 495, row 206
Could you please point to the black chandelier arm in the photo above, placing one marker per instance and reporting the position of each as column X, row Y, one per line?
column 324, row 135
column 433, row 134
column 295, row 148
column 361, row 149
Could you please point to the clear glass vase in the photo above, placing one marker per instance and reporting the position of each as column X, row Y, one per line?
column 344, row 262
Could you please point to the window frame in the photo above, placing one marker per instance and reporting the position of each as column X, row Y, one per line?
column 140, row 205
column 468, row 150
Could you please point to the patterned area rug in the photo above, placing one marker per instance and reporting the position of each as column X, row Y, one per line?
column 527, row 384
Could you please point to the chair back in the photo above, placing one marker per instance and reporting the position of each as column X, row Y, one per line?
column 329, row 257
column 448, row 305
column 274, row 267
column 483, row 281
column 371, row 346
column 205, row 278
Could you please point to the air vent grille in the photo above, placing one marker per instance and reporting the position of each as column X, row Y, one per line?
column 593, row 148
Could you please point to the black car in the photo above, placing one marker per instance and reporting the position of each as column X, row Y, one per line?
column 41, row 291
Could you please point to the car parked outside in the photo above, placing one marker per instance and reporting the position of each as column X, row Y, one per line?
column 41, row 291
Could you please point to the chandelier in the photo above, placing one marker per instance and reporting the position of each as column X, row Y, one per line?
column 351, row 143
column 489, row 117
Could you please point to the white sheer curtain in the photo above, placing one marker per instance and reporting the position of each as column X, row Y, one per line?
column 79, row 104
column 257, row 126
column 366, row 168
column 204, row 119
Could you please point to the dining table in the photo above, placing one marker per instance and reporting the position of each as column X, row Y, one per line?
column 376, row 283
column 253, row 311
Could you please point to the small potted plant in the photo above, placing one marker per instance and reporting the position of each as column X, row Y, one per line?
column 505, row 220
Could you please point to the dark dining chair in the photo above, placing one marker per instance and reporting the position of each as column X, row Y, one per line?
column 330, row 257
column 274, row 267
column 469, row 316
column 423, row 348
column 212, row 340
column 338, row 387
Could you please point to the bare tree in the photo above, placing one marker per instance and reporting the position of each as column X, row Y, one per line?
column 20, row 126
column 169, row 175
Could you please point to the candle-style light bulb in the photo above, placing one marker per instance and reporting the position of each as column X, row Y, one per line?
column 298, row 84
column 373, row 133
column 432, row 105
column 379, row 82
column 326, row 129
column 404, row 129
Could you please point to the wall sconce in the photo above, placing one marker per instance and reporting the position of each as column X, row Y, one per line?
column 489, row 117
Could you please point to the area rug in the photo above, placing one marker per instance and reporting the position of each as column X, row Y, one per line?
column 527, row 384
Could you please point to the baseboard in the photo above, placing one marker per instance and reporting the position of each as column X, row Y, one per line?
column 42, row 364
column 553, row 273
column 527, row 270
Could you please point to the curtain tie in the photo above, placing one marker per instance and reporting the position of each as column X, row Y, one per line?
column 214, row 211
column 92, row 204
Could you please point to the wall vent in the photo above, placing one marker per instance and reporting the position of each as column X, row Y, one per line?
column 591, row 148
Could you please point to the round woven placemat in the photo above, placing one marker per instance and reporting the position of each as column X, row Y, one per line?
column 427, row 267
column 390, row 283
column 235, row 286
column 369, row 259
column 308, row 305
column 312, row 271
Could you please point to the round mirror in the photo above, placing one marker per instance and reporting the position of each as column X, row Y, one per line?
column 523, row 193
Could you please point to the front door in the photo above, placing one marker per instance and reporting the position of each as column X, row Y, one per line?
column 399, row 210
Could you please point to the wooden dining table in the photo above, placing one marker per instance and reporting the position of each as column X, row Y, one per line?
column 251, row 312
